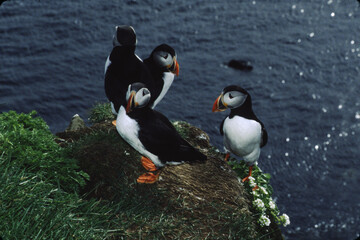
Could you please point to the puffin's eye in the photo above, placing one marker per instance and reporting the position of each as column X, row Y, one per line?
column 144, row 92
column 165, row 56
column 231, row 96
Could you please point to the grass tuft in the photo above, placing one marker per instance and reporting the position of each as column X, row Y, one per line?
column 101, row 112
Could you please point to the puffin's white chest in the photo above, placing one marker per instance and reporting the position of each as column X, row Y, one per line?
column 168, row 79
column 128, row 129
column 242, row 137
column 107, row 64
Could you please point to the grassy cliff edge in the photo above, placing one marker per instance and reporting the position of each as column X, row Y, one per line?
column 83, row 186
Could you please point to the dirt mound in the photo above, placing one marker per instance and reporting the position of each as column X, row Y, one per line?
column 206, row 196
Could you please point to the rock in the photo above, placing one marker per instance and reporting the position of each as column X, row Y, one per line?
column 73, row 132
column 76, row 123
column 242, row 65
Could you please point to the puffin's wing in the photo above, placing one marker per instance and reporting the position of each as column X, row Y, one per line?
column 160, row 137
column 157, row 77
column 222, row 126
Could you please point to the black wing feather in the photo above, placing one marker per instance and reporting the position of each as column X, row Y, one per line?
column 264, row 137
column 160, row 137
column 222, row 126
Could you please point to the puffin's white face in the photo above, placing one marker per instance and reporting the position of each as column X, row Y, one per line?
column 137, row 98
column 233, row 99
column 142, row 97
column 163, row 59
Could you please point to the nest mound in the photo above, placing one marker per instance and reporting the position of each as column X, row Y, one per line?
column 206, row 196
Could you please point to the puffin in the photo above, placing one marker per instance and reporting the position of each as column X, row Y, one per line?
column 152, row 135
column 243, row 132
column 163, row 65
column 124, row 67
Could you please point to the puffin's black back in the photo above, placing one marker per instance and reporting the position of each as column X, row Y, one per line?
column 125, row 69
column 160, row 137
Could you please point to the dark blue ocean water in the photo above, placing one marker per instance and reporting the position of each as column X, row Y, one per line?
column 305, row 83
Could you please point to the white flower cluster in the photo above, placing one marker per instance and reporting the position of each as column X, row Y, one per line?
column 285, row 219
column 264, row 203
column 272, row 204
column 252, row 182
column 264, row 220
column 263, row 190
column 259, row 203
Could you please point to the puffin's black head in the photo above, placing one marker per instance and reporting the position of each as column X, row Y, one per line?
column 124, row 36
column 231, row 97
column 164, row 56
column 137, row 96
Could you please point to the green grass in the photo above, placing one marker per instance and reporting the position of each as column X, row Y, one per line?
column 38, row 186
column 25, row 141
column 34, row 209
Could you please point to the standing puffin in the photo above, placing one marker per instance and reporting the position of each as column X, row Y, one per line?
column 124, row 67
column 244, row 134
column 163, row 66
column 152, row 134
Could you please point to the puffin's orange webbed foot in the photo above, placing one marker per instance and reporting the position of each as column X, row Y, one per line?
column 148, row 178
column 247, row 177
column 227, row 157
column 114, row 122
column 148, row 164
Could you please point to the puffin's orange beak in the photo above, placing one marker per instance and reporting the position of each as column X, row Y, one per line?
column 218, row 106
column 130, row 102
column 177, row 68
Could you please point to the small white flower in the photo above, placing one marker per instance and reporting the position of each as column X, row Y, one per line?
column 264, row 220
column 252, row 182
column 258, row 203
column 252, row 185
column 251, row 179
column 285, row 219
column 255, row 193
column 264, row 190
column 272, row 205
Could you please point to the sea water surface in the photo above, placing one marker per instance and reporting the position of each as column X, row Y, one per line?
column 305, row 84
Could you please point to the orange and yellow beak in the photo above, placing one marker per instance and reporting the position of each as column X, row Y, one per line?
column 174, row 68
column 218, row 105
column 131, row 102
